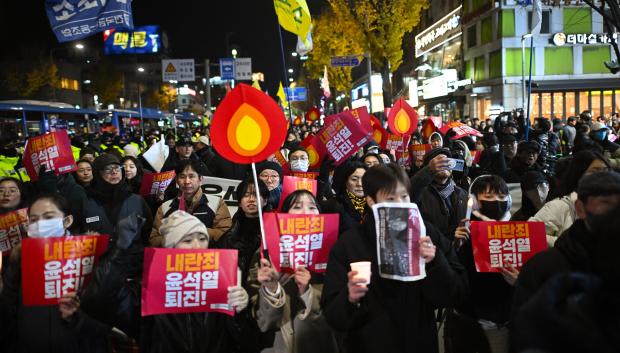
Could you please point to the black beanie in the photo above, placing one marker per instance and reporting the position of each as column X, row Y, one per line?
column 104, row 160
column 434, row 153
column 269, row 165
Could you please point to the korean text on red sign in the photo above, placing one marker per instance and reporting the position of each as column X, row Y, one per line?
column 342, row 137
column 12, row 229
column 187, row 280
column 52, row 150
column 419, row 150
column 497, row 244
column 156, row 183
column 300, row 240
column 52, row 267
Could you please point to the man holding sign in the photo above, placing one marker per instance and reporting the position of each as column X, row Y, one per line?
column 380, row 314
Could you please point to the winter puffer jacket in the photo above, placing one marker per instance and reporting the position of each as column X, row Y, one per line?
column 558, row 215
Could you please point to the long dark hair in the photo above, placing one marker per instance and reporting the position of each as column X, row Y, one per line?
column 578, row 165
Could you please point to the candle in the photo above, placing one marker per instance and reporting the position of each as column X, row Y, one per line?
column 470, row 205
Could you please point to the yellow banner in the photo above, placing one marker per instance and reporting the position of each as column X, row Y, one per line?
column 294, row 16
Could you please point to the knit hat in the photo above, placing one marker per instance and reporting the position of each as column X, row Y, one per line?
column 269, row 165
column 177, row 225
column 104, row 160
column 506, row 139
column 531, row 179
column 434, row 153
column 131, row 150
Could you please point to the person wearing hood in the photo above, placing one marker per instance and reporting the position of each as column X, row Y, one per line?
column 192, row 332
column 110, row 199
column 349, row 200
column 480, row 323
column 271, row 174
column 526, row 160
column 56, row 328
column 460, row 150
column 559, row 214
column 597, row 206
column 599, row 134
column 534, row 191
column 436, row 140
column 440, row 200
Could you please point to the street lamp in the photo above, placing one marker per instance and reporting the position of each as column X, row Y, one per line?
column 78, row 46
column 234, row 53
column 290, row 71
column 294, row 53
column 140, row 70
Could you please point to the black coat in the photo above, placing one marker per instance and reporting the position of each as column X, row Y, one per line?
column 393, row 316
column 36, row 329
column 349, row 217
column 574, row 251
column 434, row 209
column 223, row 168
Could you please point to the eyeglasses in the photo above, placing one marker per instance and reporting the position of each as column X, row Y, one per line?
column 113, row 169
column 10, row 191
column 272, row 176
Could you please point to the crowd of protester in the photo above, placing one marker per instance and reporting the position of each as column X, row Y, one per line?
column 566, row 298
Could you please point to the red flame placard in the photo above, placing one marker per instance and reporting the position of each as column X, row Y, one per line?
column 402, row 119
column 313, row 114
column 378, row 132
column 248, row 126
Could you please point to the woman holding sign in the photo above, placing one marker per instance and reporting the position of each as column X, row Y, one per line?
column 192, row 331
column 59, row 328
column 291, row 302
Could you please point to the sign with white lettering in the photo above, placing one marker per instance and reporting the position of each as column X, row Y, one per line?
column 561, row 39
column 449, row 27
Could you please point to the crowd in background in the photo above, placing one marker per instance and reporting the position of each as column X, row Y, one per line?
column 564, row 299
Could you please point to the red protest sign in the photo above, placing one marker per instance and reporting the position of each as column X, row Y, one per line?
column 395, row 142
column 362, row 117
column 248, row 126
column 156, row 183
column 12, row 229
column 342, row 137
column 427, row 129
column 460, row 129
column 53, row 150
column 316, row 151
column 402, row 119
column 300, row 240
column 187, row 280
column 307, row 175
column 403, row 157
column 52, row 267
column 418, row 151
column 436, row 120
column 498, row 243
column 292, row 183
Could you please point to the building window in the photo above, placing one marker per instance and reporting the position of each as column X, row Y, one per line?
column 607, row 103
column 67, row 83
column 544, row 28
column 584, row 103
column 558, row 105
column 570, row 104
column 471, row 36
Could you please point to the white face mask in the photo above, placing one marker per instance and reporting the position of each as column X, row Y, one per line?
column 46, row 228
column 299, row 165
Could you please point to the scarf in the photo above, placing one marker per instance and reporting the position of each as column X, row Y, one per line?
column 445, row 190
column 359, row 203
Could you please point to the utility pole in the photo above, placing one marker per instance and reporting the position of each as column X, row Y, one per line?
column 208, row 84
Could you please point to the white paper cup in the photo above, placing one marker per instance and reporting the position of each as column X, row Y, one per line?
column 363, row 270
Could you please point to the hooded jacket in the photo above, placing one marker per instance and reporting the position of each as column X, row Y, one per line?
column 558, row 215
column 393, row 316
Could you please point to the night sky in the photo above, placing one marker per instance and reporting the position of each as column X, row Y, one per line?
column 195, row 29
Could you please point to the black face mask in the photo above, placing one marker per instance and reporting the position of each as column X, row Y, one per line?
column 494, row 209
column 599, row 224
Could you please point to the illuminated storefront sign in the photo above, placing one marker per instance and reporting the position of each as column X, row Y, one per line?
column 561, row 39
column 141, row 40
column 449, row 27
